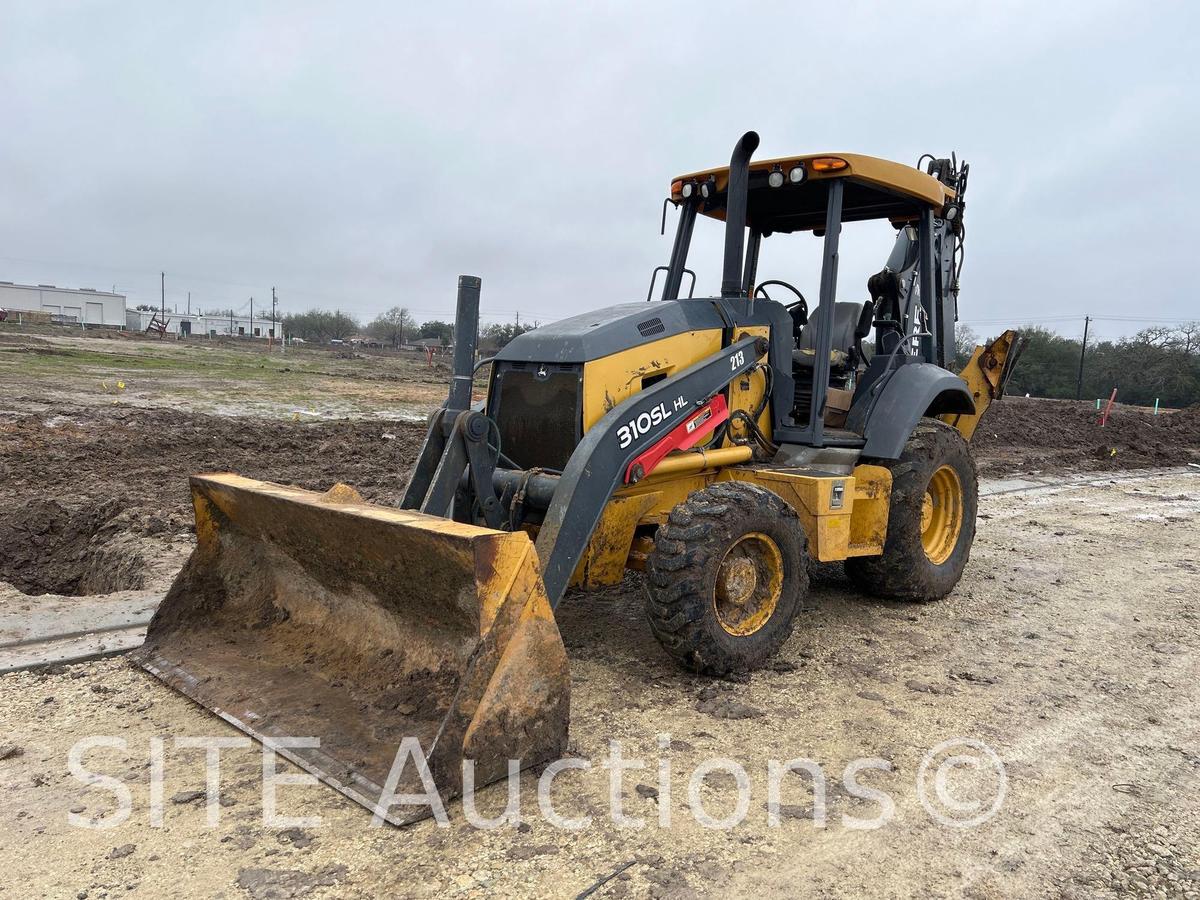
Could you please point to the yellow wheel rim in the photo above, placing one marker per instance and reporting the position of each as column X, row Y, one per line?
column 941, row 515
column 749, row 584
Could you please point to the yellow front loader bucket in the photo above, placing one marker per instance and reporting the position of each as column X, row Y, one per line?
column 307, row 615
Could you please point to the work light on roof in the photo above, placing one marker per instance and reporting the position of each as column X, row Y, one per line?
column 689, row 188
column 797, row 174
column 775, row 179
column 708, row 188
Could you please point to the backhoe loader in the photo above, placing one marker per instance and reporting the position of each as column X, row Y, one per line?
column 716, row 444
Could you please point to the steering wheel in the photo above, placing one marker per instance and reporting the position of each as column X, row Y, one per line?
column 801, row 303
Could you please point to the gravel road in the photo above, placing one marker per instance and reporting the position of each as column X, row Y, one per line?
column 1070, row 650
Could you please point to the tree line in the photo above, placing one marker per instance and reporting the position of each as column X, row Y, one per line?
column 394, row 327
column 1160, row 363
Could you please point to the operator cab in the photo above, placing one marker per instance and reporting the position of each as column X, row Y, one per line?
column 817, row 193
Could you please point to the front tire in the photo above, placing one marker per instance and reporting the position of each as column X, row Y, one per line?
column 931, row 519
column 726, row 577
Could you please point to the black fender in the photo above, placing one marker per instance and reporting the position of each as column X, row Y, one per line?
column 888, row 416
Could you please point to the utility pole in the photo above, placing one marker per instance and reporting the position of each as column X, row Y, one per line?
column 271, row 333
column 231, row 321
column 251, row 317
column 518, row 318
column 1082, row 351
column 189, row 304
column 163, row 293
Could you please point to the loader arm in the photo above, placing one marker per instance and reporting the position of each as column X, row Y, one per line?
column 604, row 455
column 454, row 474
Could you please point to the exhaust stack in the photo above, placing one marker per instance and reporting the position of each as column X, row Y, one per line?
column 466, row 339
column 735, row 214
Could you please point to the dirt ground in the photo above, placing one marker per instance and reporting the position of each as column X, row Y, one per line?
column 1024, row 435
column 1070, row 649
column 89, row 489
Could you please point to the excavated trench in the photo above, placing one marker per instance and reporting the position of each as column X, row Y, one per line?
column 49, row 548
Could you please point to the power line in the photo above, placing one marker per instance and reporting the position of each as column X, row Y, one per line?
column 1034, row 320
column 1138, row 319
column 295, row 292
column 506, row 314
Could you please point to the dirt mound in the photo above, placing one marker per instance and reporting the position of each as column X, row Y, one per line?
column 1186, row 419
column 61, row 472
column 50, row 548
column 1022, row 434
column 144, row 457
column 96, row 500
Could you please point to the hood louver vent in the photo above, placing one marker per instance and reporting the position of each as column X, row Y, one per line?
column 651, row 326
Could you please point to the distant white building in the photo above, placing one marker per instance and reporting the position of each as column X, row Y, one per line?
column 68, row 306
column 241, row 326
column 177, row 323
column 197, row 325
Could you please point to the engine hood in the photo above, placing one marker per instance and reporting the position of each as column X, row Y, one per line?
column 602, row 332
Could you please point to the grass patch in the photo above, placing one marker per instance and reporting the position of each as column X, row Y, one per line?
column 225, row 380
column 70, row 361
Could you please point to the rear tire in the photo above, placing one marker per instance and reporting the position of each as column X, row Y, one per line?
column 931, row 519
column 726, row 577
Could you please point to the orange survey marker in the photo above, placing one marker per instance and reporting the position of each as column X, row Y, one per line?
column 1108, row 407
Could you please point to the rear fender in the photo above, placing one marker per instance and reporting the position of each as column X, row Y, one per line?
column 886, row 418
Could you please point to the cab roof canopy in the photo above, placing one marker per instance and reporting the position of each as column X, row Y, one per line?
column 874, row 189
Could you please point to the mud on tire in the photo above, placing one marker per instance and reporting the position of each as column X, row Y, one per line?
column 905, row 570
column 726, row 577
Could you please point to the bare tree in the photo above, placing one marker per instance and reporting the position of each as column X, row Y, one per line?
column 1163, row 336
column 390, row 327
column 1189, row 333
column 965, row 341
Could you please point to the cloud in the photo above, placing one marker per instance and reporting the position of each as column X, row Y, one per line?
column 365, row 154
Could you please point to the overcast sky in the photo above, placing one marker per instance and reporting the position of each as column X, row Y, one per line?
column 361, row 155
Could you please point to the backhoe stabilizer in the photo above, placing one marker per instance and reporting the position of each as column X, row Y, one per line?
column 986, row 374
column 308, row 615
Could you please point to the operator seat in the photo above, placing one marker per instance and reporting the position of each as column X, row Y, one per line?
column 851, row 323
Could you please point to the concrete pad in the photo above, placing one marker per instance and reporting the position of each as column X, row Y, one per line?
column 50, row 629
